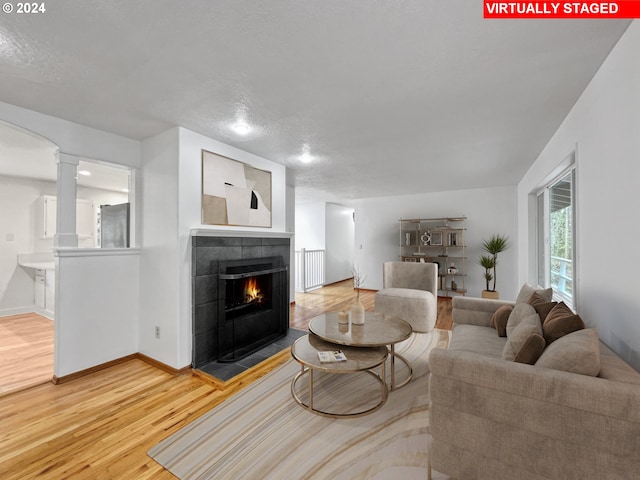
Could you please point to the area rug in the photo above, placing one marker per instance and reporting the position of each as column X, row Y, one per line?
column 261, row 433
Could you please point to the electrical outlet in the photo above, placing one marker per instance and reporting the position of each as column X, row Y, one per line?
column 157, row 332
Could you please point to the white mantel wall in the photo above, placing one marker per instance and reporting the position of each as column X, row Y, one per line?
column 604, row 124
column 172, row 170
column 488, row 210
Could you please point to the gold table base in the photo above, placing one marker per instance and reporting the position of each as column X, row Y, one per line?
column 309, row 406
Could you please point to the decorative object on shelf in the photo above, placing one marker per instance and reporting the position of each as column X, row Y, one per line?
column 454, row 285
column 357, row 309
column 436, row 238
column 343, row 317
column 493, row 246
column 453, row 239
column 407, row 239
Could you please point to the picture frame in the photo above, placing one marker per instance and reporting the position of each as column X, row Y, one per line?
column 436, row 238
column 234, row 193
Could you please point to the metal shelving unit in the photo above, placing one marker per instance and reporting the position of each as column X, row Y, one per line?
column 441, row 241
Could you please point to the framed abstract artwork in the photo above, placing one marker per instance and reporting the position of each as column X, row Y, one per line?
column 234, row 193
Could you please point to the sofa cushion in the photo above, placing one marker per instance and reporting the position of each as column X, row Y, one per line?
column 542, row 306
column 500, row 318
column 476, row 339
column 531, row 350
column 518, row 314
column 577, row 352
column 560, row 322
column 527, row 290
column 520, row 336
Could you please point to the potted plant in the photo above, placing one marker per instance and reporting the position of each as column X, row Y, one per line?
column 493, row 246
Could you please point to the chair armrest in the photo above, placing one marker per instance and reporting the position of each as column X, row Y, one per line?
column 475, row 311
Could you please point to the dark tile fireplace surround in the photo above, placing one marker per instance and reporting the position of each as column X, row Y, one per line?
column 233, row 329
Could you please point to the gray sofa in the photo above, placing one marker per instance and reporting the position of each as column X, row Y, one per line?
column 495, row 419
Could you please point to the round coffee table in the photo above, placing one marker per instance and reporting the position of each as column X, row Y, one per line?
column 378, row 330
column 359, row 359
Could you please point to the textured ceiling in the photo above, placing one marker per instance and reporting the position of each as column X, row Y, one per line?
column 389, row 97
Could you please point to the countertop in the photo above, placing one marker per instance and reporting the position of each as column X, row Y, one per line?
column 39, row 265
column 39, row 261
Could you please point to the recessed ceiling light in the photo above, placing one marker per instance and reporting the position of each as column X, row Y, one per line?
column 125, row 190
column 306, row 157
column 241, row 128
column 86, row 173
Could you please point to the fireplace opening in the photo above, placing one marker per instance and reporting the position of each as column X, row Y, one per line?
column 254, row 311
column 247, row 295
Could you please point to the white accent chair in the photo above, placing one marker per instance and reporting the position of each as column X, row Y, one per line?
column 410, row 292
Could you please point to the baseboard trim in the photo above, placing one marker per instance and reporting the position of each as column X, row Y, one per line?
column 163, row 366
column 89, row 371
column 140, row 356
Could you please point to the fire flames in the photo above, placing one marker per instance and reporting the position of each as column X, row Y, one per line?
column 252, row 293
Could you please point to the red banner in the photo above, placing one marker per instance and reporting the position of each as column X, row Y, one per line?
column 517, row 9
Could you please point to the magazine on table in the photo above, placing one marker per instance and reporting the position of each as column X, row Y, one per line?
column 332, row 356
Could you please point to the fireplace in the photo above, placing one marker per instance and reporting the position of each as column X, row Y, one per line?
column 240, row 296
column 251, row 313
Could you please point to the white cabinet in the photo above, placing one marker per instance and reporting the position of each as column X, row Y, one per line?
column 46, row 213
column 46, row 217
column 50, row 291
column 40, row 288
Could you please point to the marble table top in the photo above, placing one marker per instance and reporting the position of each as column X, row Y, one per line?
column 378, row 329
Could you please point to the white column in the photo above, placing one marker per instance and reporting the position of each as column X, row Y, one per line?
column 66, row 235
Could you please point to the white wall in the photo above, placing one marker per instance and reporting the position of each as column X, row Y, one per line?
column 159, row 259
column 291, row 228
column 605, row 126
column 339, row 237
column 17, row 210
column 310, row 226
column 97, row 307
column 488, row 210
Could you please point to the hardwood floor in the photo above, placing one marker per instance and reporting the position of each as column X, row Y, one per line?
column 340, row 296
column 101, row 425
column 26, row 351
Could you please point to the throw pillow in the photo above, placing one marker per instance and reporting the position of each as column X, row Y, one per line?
column 500, row 318
column 519, row 312
column 560, row 322
column 577, row 352
column 531, row 350
column 542, row 306
column 527, row 290
column 520, row 336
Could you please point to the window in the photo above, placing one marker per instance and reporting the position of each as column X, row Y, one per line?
column 556, row 237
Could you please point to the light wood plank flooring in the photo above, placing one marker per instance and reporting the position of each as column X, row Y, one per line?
column 340, row 296
column 101, row 425
column 26, row 351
